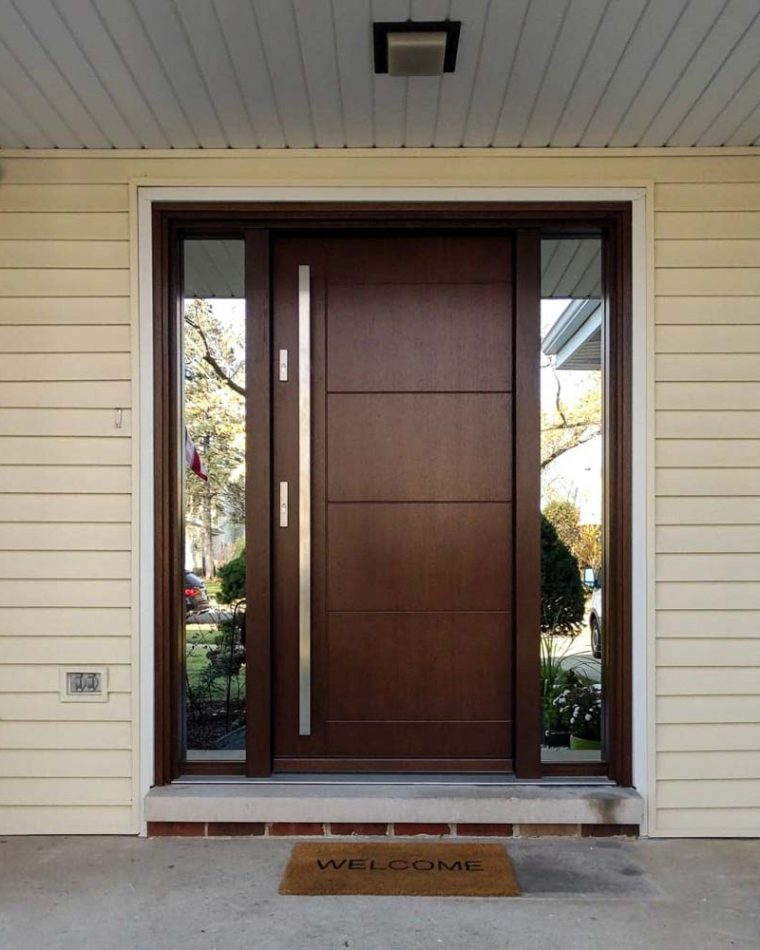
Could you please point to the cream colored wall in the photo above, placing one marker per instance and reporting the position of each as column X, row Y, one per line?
column 67, row 474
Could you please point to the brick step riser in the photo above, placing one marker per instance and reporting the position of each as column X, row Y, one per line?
column 200, row 829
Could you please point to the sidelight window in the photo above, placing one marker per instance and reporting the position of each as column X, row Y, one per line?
column 213, row 422
column 573, row 628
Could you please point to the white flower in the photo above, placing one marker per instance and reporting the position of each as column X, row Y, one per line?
column 588, row 717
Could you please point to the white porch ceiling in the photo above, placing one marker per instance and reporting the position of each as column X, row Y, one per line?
column 298, row 74
column 571, row 268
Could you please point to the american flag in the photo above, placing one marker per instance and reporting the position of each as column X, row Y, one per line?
column 193, row 459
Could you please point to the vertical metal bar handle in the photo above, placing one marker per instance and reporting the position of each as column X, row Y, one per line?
column 304, row 500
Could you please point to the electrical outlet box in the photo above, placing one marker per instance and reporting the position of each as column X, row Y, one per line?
column 84, row 684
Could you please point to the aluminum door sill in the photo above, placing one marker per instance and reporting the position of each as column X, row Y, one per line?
column 458, row 781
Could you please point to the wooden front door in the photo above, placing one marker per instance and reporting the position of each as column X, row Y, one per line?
column 408, row 664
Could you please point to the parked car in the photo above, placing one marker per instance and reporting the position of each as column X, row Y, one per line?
column 196, row 598
column 595, row 618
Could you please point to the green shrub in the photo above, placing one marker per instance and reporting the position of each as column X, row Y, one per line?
column 232, row 576
column 563, row 600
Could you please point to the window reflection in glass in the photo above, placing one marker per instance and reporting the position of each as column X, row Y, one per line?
column 572, row 436
column 213, row 411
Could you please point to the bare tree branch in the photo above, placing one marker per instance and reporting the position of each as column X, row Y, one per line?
column 558, row 398
column 569, row 426
column 561, row 449
column 564, row 427
column 212, row 361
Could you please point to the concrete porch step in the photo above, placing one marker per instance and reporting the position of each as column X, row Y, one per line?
column 268, row 804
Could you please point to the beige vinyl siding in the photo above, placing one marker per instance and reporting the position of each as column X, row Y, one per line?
column 65, row 507
column 65, row 763
column 67, row 476
column 707, row 564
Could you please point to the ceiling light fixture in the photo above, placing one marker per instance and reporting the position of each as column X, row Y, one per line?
column 416, row 48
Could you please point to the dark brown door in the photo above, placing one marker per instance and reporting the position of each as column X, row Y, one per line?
column 411, row 508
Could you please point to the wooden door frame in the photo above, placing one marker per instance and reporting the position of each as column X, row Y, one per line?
column 527, row 222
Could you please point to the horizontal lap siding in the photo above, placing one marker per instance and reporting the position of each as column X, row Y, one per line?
column 707, row 536
column 65, row 506
column 65, row 477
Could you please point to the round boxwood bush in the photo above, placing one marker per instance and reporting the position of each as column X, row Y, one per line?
column 232, row 575
column 563, row 600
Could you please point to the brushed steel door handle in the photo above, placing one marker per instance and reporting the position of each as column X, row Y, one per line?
column 304, row 500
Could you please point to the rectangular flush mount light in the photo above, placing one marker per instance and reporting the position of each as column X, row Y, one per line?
column 416, row 49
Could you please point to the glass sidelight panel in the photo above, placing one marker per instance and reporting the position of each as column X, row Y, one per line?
column 213, row 420
column 573, row 632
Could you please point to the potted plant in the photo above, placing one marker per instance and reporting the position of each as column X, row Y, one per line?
column 555, row 679
column 562, row 610
column 581, row 709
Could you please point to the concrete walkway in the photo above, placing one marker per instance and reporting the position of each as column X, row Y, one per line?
column 216, row 894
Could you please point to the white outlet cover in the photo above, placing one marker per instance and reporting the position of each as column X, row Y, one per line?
column 74, row 677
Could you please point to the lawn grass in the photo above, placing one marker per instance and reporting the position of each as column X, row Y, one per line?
column 196, row 665
column 213, row 589
column 201, row 633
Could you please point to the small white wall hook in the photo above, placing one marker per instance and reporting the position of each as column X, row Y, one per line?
column 117, row 417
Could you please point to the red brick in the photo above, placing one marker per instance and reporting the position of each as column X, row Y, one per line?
column 345, row 828
column 295, row 828
column 484, row 831
column 610, row 831
column 412, row 829
column 547, row 830
column 176, row 829
column 235, row 828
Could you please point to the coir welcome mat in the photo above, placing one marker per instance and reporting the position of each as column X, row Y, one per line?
column 430, row 869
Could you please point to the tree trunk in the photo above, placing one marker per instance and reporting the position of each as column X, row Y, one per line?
column 208, row 532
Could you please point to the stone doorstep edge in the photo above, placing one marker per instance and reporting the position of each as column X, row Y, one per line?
column 247, row 804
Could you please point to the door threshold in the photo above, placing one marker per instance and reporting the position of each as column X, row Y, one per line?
column 464, row 779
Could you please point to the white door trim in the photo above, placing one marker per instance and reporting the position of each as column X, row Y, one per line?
column 145, row 194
